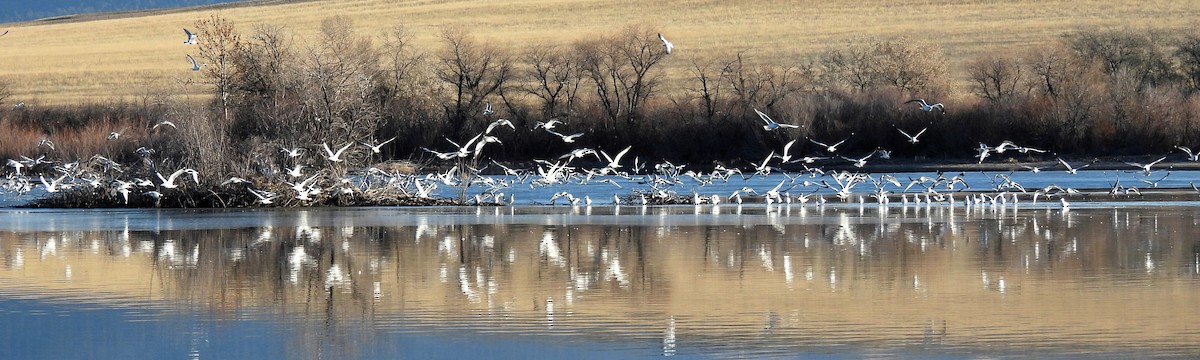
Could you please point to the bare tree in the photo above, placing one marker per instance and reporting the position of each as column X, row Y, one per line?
column 909, row 64
column 852, row 67
column 709, row 82
column 474, row 71
column 342, row 73
column 1188, row 54
column 620, row 67
column 219, row 45
column 1049, row 65
column 5, row 92
column 762, row 85
column 996, row 77
column 553, row 76
column 401, row 59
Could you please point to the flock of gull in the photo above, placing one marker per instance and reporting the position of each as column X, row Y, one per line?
column 783, row 177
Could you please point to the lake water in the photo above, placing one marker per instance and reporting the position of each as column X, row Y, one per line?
column 1118, row 280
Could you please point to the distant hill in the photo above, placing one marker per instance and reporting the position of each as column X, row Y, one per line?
column 14, row 11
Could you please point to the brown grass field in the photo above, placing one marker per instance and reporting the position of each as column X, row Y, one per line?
column 99, row 58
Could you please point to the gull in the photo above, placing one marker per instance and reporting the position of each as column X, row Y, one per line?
column 169, row 182
column 291, row 153
column 1069, row 168
column 549, row 125
column 984, row 151
column 442, row 155
column 860, row 162
column 164, row 122
column 1033, row 169
column 114, row 135
column 614, row 162
column 295, row 171
column 192, row 39
column 925, row 106
column 123, row 188
column 46, row 142
column 611, row 181
column 567, row 138
column 264, row 197
column 912, row 139
column 487, row 109
column 335, row 156
column 375, row 148
column 1190, row 155
column 771, row 124
column 667, row 45
column 828, row 148
column 1005, row 146
column 1146, row 167
column 53, row 185
column 195, row 65
column 17, row 165
column 235, row 180
column 884, row 154
column 1154, row 184
column 578, row 153
column 498, row 123
column 153, row 194
column 786, row 149
column 764, row 169
column 484, row 141
column 810, row 159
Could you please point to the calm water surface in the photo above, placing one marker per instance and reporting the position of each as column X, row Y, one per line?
column 1101, row 280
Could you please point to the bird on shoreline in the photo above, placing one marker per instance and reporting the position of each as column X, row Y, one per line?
column 926, row 107
column 771, row 123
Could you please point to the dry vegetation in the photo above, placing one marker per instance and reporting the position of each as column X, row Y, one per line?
column 292, row 75
column 119, row 58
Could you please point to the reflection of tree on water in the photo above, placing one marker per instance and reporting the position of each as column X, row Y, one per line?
column 341, row 286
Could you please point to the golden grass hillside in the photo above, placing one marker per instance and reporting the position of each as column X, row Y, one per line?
column 125, row 57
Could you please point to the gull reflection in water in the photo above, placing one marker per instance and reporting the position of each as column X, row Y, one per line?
column 668, row 342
